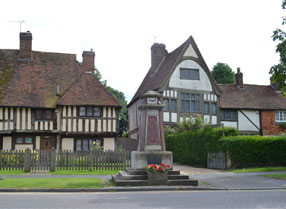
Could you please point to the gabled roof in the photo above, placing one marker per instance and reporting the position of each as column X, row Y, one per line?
column 158, row 76
column 33, row 82
column 251, row 97
column 88, row 91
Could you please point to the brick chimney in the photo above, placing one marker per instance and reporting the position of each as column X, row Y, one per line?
column 26, row 45
column 88, row 60
column 239, row 78
column 158, row 52
column 274, row 85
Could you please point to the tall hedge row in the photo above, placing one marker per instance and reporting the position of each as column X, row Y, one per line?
column 191, row 147
column 253, row 151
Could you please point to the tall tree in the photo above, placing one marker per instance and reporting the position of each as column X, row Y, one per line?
column 222, row 73
column 123, row 114
column 278, row 71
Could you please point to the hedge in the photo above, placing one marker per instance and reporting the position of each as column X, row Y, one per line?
column 255, row 151
column 191, row 147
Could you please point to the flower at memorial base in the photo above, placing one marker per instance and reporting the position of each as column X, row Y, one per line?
column 162, row 168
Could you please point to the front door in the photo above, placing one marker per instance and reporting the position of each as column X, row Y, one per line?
column 46, row 144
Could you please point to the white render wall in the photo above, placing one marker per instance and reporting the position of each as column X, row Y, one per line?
column 7, row 142
column 68, row 144
column 230, row 124
column 109, row 144
column 202, row 84
column 244, row 124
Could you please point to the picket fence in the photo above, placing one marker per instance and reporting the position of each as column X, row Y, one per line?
column 63, row 160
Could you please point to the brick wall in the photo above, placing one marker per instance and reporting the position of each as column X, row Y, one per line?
column 269, row 126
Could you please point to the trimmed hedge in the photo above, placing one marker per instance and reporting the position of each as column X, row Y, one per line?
column 191, row 147
column 255, row 151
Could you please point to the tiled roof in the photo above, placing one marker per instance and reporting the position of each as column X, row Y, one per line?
column 156, row 77
column 251, row 97
column 33, row 82
column 88, row 91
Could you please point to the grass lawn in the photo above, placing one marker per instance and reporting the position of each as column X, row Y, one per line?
column 277, row 176
column 264, row 169
column 51, row 183
column 84, row 172
column 18, row 172
column 64, row 172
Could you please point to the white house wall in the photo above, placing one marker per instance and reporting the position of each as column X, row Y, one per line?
column 70, row 122
column 203, row 84
column 244, row 124
column 133, row 118
column 232, row 124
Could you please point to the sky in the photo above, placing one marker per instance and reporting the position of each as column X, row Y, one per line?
column 122, row 32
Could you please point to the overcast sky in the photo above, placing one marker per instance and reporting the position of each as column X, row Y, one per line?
column 121, row 33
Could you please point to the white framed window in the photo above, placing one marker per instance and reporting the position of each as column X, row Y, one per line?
column 280, row 116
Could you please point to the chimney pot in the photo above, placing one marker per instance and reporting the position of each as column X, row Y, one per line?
column 26, row 45
column 239, row 78
column 158, row 52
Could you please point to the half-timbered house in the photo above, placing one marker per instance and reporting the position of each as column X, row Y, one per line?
column 51, row 100
column 252, row 109
column 183, row 78
column 190, row 91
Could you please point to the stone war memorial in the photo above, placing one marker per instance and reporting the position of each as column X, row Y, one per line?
column 151, row 164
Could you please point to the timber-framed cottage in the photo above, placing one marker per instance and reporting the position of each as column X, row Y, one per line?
column 51, row 100
column 189, row 90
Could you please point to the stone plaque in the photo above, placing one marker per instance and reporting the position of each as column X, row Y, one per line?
column 153, row 130
column 154, row 159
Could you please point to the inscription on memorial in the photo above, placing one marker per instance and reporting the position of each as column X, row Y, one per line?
column 154, row 159
column 153, row 131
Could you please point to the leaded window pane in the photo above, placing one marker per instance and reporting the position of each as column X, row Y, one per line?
column 19, row 140
column 28, row 140
column 78, row 145
column 173, row 105
column 89, row 111
column 206, row 108
column 97, row 111
column 85, row 144
column 82, row 111
column 213, row 108
column 166, row 104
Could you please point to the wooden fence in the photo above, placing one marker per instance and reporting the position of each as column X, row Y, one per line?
column 63, row 160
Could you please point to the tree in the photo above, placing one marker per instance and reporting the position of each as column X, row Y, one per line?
column 223, row 74
column 123, row 114
column 278, row 71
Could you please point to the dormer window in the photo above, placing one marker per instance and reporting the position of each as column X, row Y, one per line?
column 189, row 74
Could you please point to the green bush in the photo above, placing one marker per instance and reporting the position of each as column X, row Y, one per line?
column 255, row 151
column 191, row 147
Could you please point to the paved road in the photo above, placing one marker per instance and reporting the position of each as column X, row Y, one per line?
column 185, row 199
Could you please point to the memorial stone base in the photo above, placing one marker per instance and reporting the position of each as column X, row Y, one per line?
column 140, row 159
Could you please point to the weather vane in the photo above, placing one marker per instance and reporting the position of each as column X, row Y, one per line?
column 21, row 21
column 155, row 36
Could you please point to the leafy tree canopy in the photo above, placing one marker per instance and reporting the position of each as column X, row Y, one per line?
column 123, row 114
column 223, row 74
column 278, row 71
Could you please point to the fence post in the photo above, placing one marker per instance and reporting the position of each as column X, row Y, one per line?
column 27, row 160
column 227, row 159
column 53, row 160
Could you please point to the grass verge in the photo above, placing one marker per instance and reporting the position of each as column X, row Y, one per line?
column 84, row 172
column 263, row 169
column 277, row 176
column 18, row 172
column 64, row 172
column 52, row 183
